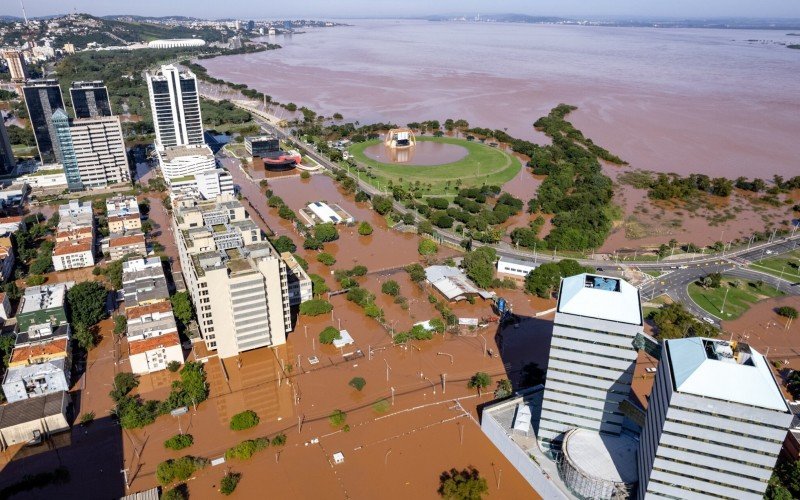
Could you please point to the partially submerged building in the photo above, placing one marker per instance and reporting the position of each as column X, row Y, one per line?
column 453, row 284
column 43, row 304
column 29, row 420
column 320, row 212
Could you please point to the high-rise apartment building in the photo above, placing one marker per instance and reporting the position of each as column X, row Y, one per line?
column 7, row 161
column 715, row 423
column 92, row 151
column 90, row 99
column 16, row 65
column 175, row 102
column 237, row 280
column 591, row 357
column 43, row 98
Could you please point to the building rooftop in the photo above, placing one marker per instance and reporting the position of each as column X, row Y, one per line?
column 149, row 328
column 42, row 297
column 726, row 371
column 129, row 239
column 175, row 152
column 517, row 262
column 70, row 247
column 30, row 409
column 21, row 372
column 452, row 283
column 600, row 456
column 136, row 312
column 50, row 348
column 150, row 343
column 600, row 297
column 41, row 333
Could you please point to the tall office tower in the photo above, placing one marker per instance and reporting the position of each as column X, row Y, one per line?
column 715, row 423
column 237, row 280
column 16, row 65
column 175, row 102
column 591, row 356
column 7, row 161
column 43, row 98
column 92, row 151
column 90, row 99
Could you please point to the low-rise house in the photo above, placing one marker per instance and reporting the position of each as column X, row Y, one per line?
column 6, row 259
column 453, row 284
column 121, row 205
column 152, row 354
column 42, row 305
column 32, row 419
column 124, row 223
column 39, row 364
column 515, row 267
column 11, row 224
column 119, row 246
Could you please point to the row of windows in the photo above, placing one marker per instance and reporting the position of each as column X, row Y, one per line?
column 591, row 365
column 584, row 353
column 712, row 455
column 718, row 443
column 552, row 374
column 735, row 419
column 729, row 484
column 737, row 433
column 714, row 469
column 592, row 341
column 684, row 488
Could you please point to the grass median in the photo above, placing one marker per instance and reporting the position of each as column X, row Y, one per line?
column 742, row 294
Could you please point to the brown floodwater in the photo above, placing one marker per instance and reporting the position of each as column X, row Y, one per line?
column 423, row 153
column 683, row 100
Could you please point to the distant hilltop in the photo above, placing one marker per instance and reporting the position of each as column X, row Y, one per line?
column 642, row 22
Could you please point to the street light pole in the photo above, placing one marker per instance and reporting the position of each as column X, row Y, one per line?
column 725, row 299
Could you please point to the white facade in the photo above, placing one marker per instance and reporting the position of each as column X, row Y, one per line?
column 100, row 151
column 46, row 178
column 238, row 283
column 209, row 184
column 154, row 354
column 73, row 255
column 176, row 43
column 514, row 267
column 716, row 422
column 175, row 103
column 591, row 356
column 16, row 65
column 23, row 382
column 180, row 164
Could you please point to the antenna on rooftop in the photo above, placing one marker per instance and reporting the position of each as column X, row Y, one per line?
column 23, row 12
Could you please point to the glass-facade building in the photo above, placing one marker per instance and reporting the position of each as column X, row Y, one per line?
column 90, row 99
column 7, row 161
column 65, row 145
column 43, row 98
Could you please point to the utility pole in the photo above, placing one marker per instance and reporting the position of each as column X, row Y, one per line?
column 125, row 475
column 392, row 388
column 725, row 299
column 444, row 383
column 387, row 370
column 484, row 345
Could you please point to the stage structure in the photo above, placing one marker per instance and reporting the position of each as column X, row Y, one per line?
column 400, row 138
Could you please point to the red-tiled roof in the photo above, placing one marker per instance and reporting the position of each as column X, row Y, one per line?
column 123, row 241
column 70, row 247
column 148, row 344
column 11, row 219
column 51, row 348
column 138, row 311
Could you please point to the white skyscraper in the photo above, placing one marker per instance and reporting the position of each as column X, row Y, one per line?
column 175, row 103
column 591, row 356
column 715, row 424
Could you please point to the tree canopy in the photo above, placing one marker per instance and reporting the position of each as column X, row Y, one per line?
column 465, row 484
column 479, row 265
column 87, row 303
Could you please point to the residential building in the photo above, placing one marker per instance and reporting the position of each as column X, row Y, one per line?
column 715, row 424
column 43, row 304
column 591, row 357
column 43, row 98
column 300, row 286
column 143, row 282
column 16, row 65
column 11, row 224
column 182, row 163
column 126, row 244
column 75, row 215
column 152, row 334
column 514, row 267
column 237, row 281
column 13, row 195
column 124, row 223
column 5, row 306
column 92, row 151
column 73, row 255
column 208, row 184
column 7, row 161
column 74, row 235
column 33, row 419
column 38, row 367
column 6, row 259
column 90, row 99
column 175, row 103
column 122, row 205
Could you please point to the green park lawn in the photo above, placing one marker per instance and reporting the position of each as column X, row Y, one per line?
column 742, row 295
column 787, row 263
column 482, row 165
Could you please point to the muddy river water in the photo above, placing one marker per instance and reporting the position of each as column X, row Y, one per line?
column 721, row 102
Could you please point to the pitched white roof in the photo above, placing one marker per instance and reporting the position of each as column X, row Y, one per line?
column 600, row 297
column 696, row 372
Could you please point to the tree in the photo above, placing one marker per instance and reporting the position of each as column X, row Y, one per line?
column 87, row 302
column 247, row 449
column 462, row 485
column 287, row 213
column 713, row 280
column 124, row 382
column 480, row 380
column 364, row 229
column 179, row 469
column 279, row 439
column 382, row 204
column 416, row 272
column 337, row 418
column 315, row 307
column 173, row 366
column 12, row 291
column 182, row 307
column 787, row 312
column 328, row 335
column 312, row 244
column 504, row 388
column 244, row 420
column 427, row 247
column 120, row 324
column 318, row 284
column 326, row 258
column 84, row 336
column 179, row 442
column 325, row 232
column 179, row 492
column 391, row 287
column 479, row 265
column 357, row 383
column 673, row 321
column 284, row 244
column 229, row 482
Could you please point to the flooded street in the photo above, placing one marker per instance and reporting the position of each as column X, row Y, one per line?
column 669, row 100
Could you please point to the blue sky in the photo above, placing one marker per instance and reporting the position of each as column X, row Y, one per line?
column 266, row 9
